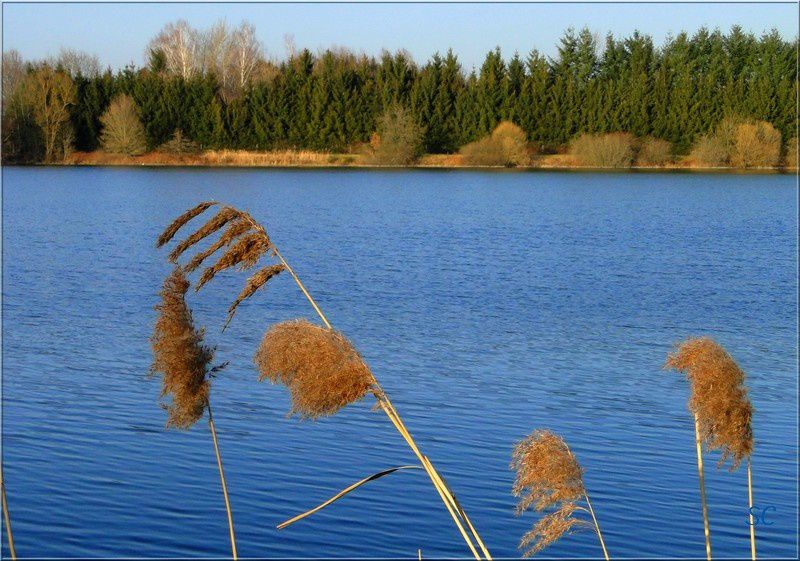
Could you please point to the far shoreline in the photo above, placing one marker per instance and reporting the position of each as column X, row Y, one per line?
column 328, row 161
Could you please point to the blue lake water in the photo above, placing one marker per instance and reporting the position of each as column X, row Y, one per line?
column 487, row 304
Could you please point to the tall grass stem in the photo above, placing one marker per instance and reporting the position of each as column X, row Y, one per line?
column 222, row 480
column 701, row 473
column 447, row 497
column 7, row 518
column 596, row 526
column 750, row 503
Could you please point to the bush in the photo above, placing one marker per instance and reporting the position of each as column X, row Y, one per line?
column 398, row 141
column 654, row 152
column 791, row 152
column 122, row 133
column 756, row 144
column 709, row 151
column 179, row 144
column 506, row 146
column 614, row 150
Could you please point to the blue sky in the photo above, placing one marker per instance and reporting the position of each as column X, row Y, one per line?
column 118, row 33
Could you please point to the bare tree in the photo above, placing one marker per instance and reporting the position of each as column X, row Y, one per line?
column 179, row 43
column 50, row 93
column 75, row 62
column 247, row 52
column 216, row 52
column 13, row 74
column 123, row 132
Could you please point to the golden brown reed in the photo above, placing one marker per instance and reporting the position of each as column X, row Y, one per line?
column 225, row 215
column 235, row 229
column 245, row 252
column 548, row 476
column 179, row 222
column 718, row 397
column 179, row 355
column 256, row 281
column 550, row 528
column 321, row 368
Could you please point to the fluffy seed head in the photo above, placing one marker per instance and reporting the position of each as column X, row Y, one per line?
column 718, row 397
column 321, row 368
column 256, row 281
column 245, row 252
column 547, row 472
column 549, row 529
column 235, row 229
column 179, row 355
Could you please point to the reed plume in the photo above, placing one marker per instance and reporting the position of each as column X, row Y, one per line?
column 245, row 247
column 722, row 412
column 184, row 363
column 321, row 368
column 549, row 478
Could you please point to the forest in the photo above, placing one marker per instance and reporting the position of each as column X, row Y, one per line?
column 216, row 89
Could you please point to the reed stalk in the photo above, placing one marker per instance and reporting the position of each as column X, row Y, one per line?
column 750, row 510
column 456, row 512
column 245, row 246
column 222, row 481
column 596, row 525
column 7, row 518
column 701, row 473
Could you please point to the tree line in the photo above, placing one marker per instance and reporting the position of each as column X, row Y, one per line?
column 218, row 90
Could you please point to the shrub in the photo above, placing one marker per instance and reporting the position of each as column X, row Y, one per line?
column 791, row 152
column 613, row 150
column 123, row 133
column 398, row 141
column 654, row 152
column 709, row 151
column 179, row 144
column 756, row 144
column 506, row 146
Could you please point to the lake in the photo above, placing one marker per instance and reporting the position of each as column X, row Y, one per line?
column 488, row 304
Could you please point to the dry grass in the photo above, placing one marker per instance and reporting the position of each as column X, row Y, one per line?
column 181, row 221
column 225, row 215
column 256, row 281
column 287, row 158
column 179, row 355
column 718, row 397
column 321, row 368
column 548, row 477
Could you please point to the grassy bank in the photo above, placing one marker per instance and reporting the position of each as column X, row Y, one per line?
column 309, row 159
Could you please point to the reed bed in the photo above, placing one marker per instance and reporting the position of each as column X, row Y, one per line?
column 321, row 369
column 722, row 413
column 549, row 478
column 286, row 158
column 184, row 363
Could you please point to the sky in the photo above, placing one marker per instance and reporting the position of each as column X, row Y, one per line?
column 118, row 33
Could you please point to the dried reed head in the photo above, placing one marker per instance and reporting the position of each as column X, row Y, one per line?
column 718, row 397
column 179, row 222
column 547, row 472
column 179, row 355
column 321, row 368
column 246, row 242
column 549, row 529
column 548, row 477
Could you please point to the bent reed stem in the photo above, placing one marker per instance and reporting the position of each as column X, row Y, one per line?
column 222, row 480
column 750, row 510
column 702, row 486
column 596, row 525
column 7, row 518
column 456, row 512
